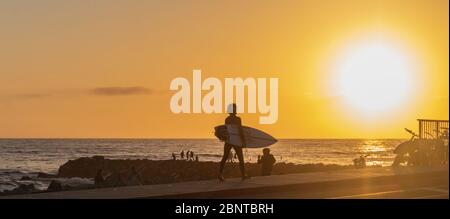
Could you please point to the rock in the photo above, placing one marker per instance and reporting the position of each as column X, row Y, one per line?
column 24, row 188
column 26, row 178
column 84, row 167
column 55, row 186
column 114, row 180
column 97, row 157
column 119, row 172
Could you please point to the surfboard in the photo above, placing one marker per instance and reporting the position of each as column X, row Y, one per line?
column 254, row 138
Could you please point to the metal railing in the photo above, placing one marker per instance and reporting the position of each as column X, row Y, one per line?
column 433, row 129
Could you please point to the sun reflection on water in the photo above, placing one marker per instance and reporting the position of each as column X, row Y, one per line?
column 375, row 152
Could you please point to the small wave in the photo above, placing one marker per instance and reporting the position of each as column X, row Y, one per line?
column 11, row 172
column 22, row 152
column 343, row 153
column 7, row 187
column 7, row 183
column 210, row 155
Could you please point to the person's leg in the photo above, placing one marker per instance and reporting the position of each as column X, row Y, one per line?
column 240, row 156
column 226, row 153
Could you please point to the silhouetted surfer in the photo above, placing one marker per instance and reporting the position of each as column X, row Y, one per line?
column 232, row 119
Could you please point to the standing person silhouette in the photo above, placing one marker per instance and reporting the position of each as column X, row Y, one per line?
column 232, row 119
column 192, row 155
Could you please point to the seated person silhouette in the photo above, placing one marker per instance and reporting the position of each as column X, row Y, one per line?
column 267, row 161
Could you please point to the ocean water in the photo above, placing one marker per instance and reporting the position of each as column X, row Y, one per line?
column 21, row 157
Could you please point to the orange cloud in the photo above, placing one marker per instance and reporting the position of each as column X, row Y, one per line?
column 120, row 91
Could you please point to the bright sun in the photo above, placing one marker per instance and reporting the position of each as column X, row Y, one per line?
column 374, row 77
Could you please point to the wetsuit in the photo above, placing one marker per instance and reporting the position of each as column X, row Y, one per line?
column 233, row 120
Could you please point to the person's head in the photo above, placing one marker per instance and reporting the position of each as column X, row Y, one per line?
column 231, row 109
column 266, row 151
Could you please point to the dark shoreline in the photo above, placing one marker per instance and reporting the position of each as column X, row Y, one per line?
column 152, row 172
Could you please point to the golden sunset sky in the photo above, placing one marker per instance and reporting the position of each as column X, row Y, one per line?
column 103, row 68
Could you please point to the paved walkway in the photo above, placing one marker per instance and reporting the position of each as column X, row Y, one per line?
column 256, row 185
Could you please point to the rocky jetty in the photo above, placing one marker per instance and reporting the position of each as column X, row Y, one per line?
column 171, row 171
